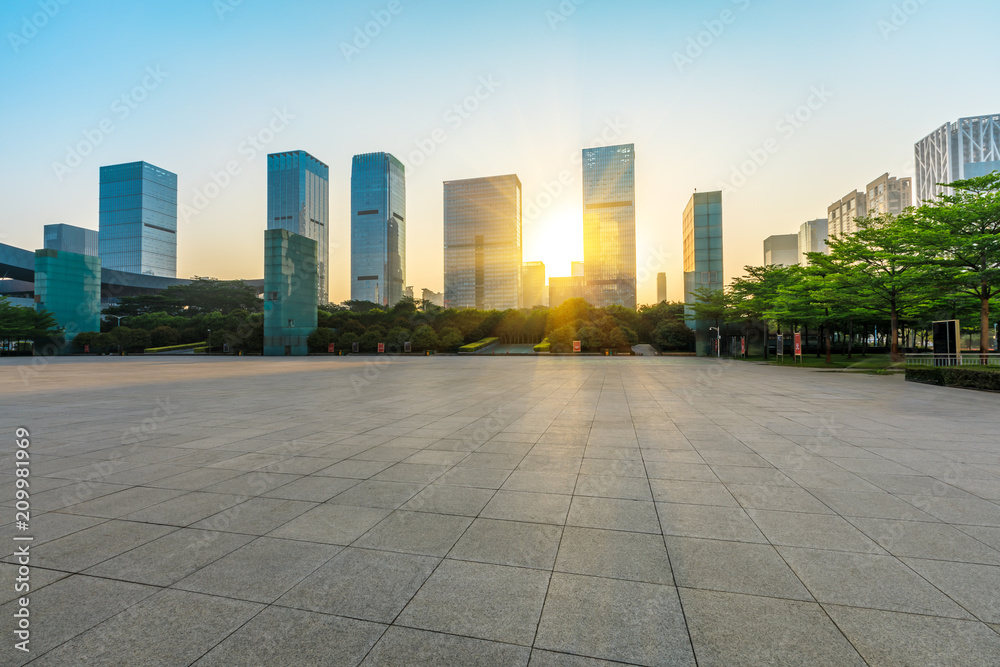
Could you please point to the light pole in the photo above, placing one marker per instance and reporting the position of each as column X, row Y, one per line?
column 209, row 342
column 118, row 325
column 718, row 341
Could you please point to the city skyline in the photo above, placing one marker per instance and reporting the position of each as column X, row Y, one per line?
column 489, row 112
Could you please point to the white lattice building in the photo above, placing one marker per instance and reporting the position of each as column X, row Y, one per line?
column 956, row 151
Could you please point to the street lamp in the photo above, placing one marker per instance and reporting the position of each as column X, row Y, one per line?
column 209, row 342
column 119, row 324
column 718, row 341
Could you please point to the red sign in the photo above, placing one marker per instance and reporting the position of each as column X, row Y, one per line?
column 577, row 346
column 381, row 348
column 86, row 349
column 330, row 348
column 743, row 345
column 798, row 345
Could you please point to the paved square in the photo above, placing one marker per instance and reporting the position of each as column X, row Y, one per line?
column 515, row 511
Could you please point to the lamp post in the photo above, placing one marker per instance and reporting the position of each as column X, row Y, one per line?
column 718, row 341
column 209, row 342
column 118, row 325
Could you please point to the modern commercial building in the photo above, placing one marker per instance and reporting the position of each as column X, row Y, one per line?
column 562, row 289
column 609, row 225
column 842, row 214
column 298, row 200
column 67, row 238
column 291, row 292
column 408, row 292
column 533, row 284
column 576, row 269
column 68, row 285
column 812, row 238
column 661, row 287
column 702, row 256
column 138, row 219
column 956, row 151
column 888, row 195
column 436, row 298
column 781, row 250
column 482, row 243
column 378, row 229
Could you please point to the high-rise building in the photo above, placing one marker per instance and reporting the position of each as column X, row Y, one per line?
column 436, row 298
column 956, row 151
column 562, row 289
column 702, row 256
column 298, row 200
column 842, row 214
column 661, row 287
column 138, row 219
column 781, row 250
column 68, row 285
column 609, row 225
column 67, row 238
column 482, row 243
column 576, row 269
column 889, row 195
column 408, row 292
column 533, row 284
column 378, row 229
column 812, row 238
column 291, row 292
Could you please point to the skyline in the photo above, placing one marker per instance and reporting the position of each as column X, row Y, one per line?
column 469, row 106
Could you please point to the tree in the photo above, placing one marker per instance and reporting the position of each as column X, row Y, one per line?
column 961, row 234
column 754, row 295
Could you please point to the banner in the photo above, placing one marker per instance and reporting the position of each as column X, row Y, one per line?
column 381, row 348
column 329, row 348
column 798, row 345
column 577, row 346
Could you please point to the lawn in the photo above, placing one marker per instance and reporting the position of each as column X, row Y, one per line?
column 872, row 362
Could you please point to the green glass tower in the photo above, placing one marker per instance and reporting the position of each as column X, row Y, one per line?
column 68, row 285
column 703, row 257
column 291, row 292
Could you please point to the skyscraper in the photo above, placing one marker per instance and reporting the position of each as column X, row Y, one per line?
column 533, row 284
column 956, row 151
column 67, row 238
column 482, row 243
column 841, row 214
column 291, row 291
column 138, row 219
column 702, row 256
column 298, row 200
column 781, row 250
column 609, row 225
column 576, row 269
column 812, row 238
column 378, row 229
column 661, row 287
column 889, row 195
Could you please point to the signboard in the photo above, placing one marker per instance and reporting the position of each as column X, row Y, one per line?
column 407, row 347
column 577, row 346
column 381, row 348
column 86, row 349
column 947, row 351
column 798, row 345
column 355, row 347
column 329, row 348
column 779, row 349
column 743, row 346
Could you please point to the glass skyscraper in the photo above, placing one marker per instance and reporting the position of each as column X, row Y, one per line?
column 138, row 219
column 482, row 243
column 298, row 200
column 378, row 229
column 703, row 255
column 67, row 238
column 609, row 225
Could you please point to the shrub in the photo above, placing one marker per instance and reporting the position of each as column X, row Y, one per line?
column 320, row 339
column 478, row 345
column 965, row 377
column 544, row 346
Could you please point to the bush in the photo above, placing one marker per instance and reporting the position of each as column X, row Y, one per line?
column 544, row 346
column 478, row 345
column 965, row 377
column 450, row 339
column 320, row 339
column 424, row 338
column 173, row 348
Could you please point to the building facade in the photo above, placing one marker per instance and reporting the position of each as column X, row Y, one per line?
column 138, row 219
column 888, row 195
column 430, row 296
column 561, row 289
column 609, row 225
column 378, row 229
column 67, row 238
column 68, row 285
column 842, row 214
column 482, row 243
column 702, row 256
column 956, row 151
column 533, row 285
column 576, row 269
column 812, row 238
column 298, row 201
column 291, row 292
column 781, row 250
column 661, row 287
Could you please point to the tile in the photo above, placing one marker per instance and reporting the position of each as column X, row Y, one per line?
column 117, row 505
column 541, row 482
column 187, row 509
column 509, row 543
column 316, row 489
column 920, row 539
column 719, row 523
column 416, row 533
column 331, row 524
column 970, row 585
column 614, row 554
column 870, row 505
column 383, row 495
column 695, row 493
column 613, row 486
column 443, row 499
column 613, row 514
column 412, row 473
column 781, row 498
column 418, row 648
column 481, row 478
column 525, row 506
column 257, row 516
column 816, row 531
column 88, row 547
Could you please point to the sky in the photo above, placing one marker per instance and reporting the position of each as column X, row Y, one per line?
column 785, row 106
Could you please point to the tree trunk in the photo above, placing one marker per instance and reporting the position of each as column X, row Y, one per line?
column 850, row 337
column 984, row 326
column 894, row 329
column 767, row 339
column 829, row 345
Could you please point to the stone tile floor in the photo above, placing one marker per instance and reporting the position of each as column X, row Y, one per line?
column 514, row 511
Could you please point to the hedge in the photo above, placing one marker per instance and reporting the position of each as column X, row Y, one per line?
column 478, row 345
column 172, row 348
column 544, row 346
column 966, row 377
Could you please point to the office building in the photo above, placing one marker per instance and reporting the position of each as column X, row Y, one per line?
column 68, row 285
column 702, row 257
column 482, row 243
column 138, row 219
column 842, row 214
column 781, row 250
column 609, row 225
column 298, row 201
column 956, row 151
column 291, row 292
column 430, row 296
column 408, row 292
column 812, row 238
column 888, row 195
column 576, row 269
column 378, row 229
column 562, row 289
column 67, row 238
column 533, row 284
column 661, row 287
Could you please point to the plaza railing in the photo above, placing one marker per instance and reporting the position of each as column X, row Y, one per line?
column 964, row 359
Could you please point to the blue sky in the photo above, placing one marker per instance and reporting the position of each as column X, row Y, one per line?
column 184, row 85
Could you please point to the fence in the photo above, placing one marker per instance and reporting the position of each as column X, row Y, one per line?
column 964, row 359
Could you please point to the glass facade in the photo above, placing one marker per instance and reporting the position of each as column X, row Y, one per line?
column 702, row 255
column 291, row 292
column 378, row 229
column 138, row 219
column 68, row 238
column 956, row 151
column 533, row 284
column 68, row 285
column 482, row 243
column 298, row 200
column 781, row 250
column 609, row 225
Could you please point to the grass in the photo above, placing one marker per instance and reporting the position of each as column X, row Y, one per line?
column 872, row 362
